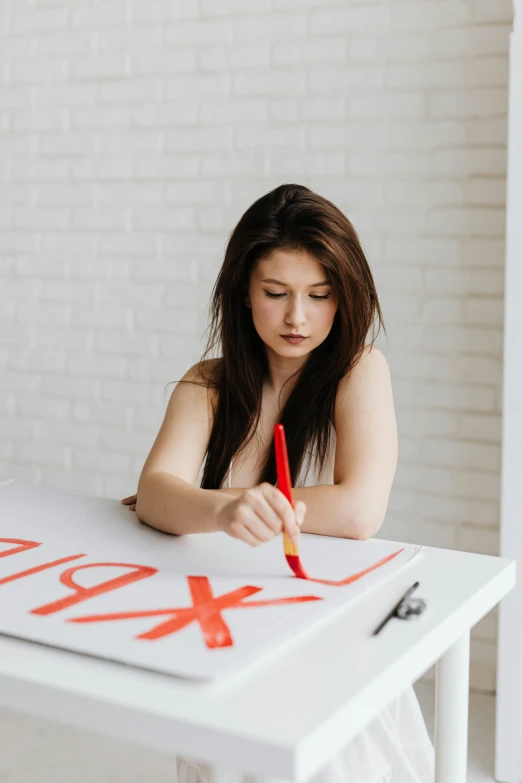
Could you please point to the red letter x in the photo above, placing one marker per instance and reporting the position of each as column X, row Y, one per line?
column 205, row 610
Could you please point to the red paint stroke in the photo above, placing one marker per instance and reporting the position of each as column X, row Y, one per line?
column 284, row 484
column 295, row 564
column 83, row 593
column 36, row 569
column 24, row 545
column 206, row 610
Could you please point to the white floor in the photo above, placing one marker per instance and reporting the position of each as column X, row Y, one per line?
column 35, row 751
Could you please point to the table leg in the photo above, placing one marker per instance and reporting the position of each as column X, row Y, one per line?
column 451, row 713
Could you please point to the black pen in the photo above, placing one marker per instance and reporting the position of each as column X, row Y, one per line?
column 393, row 612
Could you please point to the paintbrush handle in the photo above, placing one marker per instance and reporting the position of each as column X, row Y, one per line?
column 284, row 482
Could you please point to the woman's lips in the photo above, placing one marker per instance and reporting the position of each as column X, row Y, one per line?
column 294, row 340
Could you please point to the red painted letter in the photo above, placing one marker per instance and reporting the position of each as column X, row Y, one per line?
column 205, row 610
column 24, row 545
column 83, row 593
column 36, row 569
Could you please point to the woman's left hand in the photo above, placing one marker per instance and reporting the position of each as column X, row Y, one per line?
column 130, row 502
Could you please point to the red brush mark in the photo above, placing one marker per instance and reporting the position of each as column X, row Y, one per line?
column 36, row 569
column 215, row 630
column 24, row 545
column 284, row 484
column 296, row 566
column 206, row 610
column 83, row 593
column 80, row 593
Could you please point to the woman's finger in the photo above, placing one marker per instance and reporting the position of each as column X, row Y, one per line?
column 284, row 508
column 300, row 512
column 266, row 512
column 127, row 501
column 241, row 532
column 256, row 526
column 249, row 538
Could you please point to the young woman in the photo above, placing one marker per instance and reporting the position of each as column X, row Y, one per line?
column 291, row 311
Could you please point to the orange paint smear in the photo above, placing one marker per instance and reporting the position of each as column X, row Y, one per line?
column 291, row 550
column 205, row 610
column 295, row 564
column 23, row 545
column 83, row 593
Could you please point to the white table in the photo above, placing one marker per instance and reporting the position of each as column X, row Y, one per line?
column 264, row 720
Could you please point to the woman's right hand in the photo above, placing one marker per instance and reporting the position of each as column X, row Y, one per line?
column 261, row 513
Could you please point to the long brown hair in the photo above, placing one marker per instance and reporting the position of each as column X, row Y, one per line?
column 291, row 218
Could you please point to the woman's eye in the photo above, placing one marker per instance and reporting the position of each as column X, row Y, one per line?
column 312, row 296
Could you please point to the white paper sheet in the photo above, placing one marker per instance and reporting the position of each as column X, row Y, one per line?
column 104, row 531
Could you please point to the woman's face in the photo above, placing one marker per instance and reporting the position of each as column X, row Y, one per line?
column 289, row 294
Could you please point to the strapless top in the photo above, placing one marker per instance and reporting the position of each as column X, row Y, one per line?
column 326, row 476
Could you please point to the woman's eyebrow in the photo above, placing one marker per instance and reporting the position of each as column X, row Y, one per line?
column 278, row 282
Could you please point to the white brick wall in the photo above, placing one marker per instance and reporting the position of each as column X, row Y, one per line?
column 132, row 137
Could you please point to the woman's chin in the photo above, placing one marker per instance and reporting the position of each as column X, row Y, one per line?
column 287, row 351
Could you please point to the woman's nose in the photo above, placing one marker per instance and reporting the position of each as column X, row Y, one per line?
column 296, row 314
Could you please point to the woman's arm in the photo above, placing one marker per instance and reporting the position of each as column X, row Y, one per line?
column 172, row 505
column 322, row 514
column 365, row 456
column 167, row 498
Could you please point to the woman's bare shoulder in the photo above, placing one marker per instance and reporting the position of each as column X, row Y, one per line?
column 374, row 360
column 203, row 375
column 371, row 362
column 368, row 378
column 204, row 371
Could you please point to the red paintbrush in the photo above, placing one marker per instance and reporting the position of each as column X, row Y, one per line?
column 284, row 484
